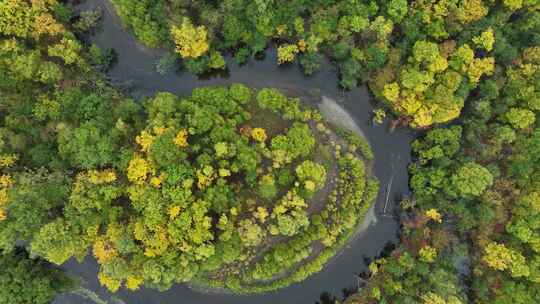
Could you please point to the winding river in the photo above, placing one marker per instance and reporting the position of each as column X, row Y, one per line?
column 353, row 109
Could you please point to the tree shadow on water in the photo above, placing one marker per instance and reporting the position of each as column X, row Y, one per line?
column 328, row 298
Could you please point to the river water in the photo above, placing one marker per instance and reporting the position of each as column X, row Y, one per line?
column 136, row 66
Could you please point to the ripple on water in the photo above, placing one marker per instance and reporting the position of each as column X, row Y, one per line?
column 337, row 115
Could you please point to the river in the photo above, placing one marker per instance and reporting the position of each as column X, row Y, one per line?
column 136, row 66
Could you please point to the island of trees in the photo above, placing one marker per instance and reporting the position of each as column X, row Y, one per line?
column 248, row 193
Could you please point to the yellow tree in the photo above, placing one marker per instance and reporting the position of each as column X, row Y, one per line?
column 103, row 250
column 471, row 10
column 479, row 67
column 181, row 139
column 259, row 134
column 111, row 284
column 138, row 169
column 133, row 282
column 287, row 53
column 434, row 215
column 497, row 256
column 5, row 183
column 513, row 4
column 28, row 18
column 485, row 40
column 145, row 140
column 191, row 41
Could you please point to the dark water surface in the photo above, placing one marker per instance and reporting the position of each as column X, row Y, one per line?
column 136, row 66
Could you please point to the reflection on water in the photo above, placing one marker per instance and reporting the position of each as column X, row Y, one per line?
column 337, row 115
column 136, row 66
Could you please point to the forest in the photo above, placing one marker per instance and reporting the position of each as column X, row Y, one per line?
column 228, row 187
column 422, row 62
column 247, row 189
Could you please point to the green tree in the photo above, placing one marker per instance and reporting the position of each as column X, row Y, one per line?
column 33, row 200
column 67, row 49
column 297, row 142
column 397, row 9
column 146, row 18
column 87, row 146
column 313, row 175
column 267, row 187
column 471, row 179
column 250, row 232
column 29, row 281
column 520, row 118
column 287, row 53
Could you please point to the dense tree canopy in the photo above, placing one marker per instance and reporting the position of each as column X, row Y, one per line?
column 422, row 59
column 475, row 203
column 243, row 189
column 29, row 281
column 184, row 189
column 208, row 188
